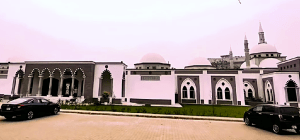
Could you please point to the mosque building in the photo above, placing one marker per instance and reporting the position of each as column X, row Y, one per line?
column 262, row 75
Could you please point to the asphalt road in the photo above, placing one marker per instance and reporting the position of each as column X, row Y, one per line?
column 88, row 127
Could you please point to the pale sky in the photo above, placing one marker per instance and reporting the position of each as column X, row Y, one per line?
column 125, row 30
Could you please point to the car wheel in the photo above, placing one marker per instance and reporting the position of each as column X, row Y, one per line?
column 8, row 117
column 55, row 111
column 277, row 129
column 247, row 121
column 30, row 115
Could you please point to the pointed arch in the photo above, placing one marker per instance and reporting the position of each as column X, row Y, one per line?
column 20, row 73
column 44, row 70
column 184, row 92
column 226, row 89
column 56, row 70
column 68, row 71
column 192, row 92
column 219, row 93
column 227, row 94
column 79, row 69
column 190, row 87
column 291, row 91
column 268, row 88
column 106, row 71
column 106, row 83
column 35, row 70
column 250, row 93
column 246, row 87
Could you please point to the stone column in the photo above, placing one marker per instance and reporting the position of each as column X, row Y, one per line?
column 13, row 86
column 100, row 89
column 40, row 85
column 79, row 87
column 50, row 86
column 112, row 90
column 297, row 94
column 82, row 94
column 286, row 95
column 29, row 84
column 60, row 86
column 72, row 86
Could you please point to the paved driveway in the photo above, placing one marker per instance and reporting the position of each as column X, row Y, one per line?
column 85, row 127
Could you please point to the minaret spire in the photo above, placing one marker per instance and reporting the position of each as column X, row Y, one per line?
column 231, row 59
column 247, row 56
column 261, row 35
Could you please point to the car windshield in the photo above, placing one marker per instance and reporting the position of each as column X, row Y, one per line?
column 18, row 101
column 289, row 110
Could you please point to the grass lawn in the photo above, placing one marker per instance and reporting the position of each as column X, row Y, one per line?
column 194, row 110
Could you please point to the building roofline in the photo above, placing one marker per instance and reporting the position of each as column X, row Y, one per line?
column 289, row 60
column 152, row 63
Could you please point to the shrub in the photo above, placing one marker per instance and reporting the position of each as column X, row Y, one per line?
column 122, row 109
column 143, row 110
column 167, row 111
column 138, row 110
column 184, row 112
column 156, row 110
column 113, row 109
column 177, row 112
column 105, row 95
column 191, row 111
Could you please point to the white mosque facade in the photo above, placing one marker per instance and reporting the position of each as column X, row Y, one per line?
column 265, row 75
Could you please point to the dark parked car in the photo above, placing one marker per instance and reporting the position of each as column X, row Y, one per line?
column 28, row 107
column 276, row 117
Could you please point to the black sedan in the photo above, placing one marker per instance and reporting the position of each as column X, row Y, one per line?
column 28, row 107
column 274, row 116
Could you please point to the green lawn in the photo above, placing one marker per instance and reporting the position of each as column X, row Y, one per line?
column 194, row 110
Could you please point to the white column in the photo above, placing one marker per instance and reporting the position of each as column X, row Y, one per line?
column 13, row 86
column 40, row 85
column 72, row 86
column 100, row 89
column 112, row 90
column 79, row 87
column 17, row 85
column 29, row 84
column 60, row 86
column 50, row 86
column 82, row 94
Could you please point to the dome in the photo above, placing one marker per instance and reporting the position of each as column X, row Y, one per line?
column 252, row 65
column 199, row 61
column 269, row 63
column 152, row 58
column 263, row 48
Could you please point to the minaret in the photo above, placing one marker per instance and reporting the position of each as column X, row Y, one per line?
column 247, row 56
column 231, row 59
column 261, row 35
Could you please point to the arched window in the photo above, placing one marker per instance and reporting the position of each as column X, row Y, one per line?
column 184, row 92
column 219, row 93
column 192, row 92
column 245, row 93
column 268, row 91
column 268, row 94
column 227, row 94
column 271, row 95
column 250, row 94
column 291, row 91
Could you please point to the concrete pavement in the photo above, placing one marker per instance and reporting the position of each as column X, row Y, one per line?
column 70, row 126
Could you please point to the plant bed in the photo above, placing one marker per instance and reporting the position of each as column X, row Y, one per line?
column 192, row 110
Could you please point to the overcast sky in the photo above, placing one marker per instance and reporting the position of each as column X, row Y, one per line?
column 125, row 30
